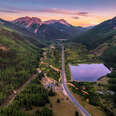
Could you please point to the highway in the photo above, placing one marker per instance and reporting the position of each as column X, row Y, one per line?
column 81, row 109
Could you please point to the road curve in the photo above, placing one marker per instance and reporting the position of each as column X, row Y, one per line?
column 82, row 110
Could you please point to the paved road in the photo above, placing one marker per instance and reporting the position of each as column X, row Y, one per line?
column 82, row 110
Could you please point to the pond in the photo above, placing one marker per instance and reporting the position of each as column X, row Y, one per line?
column 88, row 72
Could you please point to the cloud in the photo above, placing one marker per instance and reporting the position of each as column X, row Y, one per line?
column 75, row 17
column 45, row 10
column 63, row 11
column 8, row 11
column 83, row 13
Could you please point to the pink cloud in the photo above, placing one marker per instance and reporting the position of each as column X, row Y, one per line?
column 63, row 11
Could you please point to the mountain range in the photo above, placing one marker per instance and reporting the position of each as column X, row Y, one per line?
column 47, row 30
column 50, row 30
column 92, row 37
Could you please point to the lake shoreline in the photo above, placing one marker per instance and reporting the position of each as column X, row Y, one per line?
column 85, row 74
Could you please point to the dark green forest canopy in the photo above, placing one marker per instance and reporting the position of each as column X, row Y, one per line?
column 19, row 57
column 109, row 56
column 34, row 95
column 99, row 34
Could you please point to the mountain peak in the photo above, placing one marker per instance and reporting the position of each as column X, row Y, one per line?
column 34, row 20
column 114, row 18
column 27, row 19
column 62, row 21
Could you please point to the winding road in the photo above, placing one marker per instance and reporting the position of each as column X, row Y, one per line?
column 81, row 109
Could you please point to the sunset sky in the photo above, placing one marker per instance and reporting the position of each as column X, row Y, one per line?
column 76, row 12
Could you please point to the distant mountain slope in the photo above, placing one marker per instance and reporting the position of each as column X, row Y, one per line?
column 17, row 28
column 21, row 31
column 101, row 41
column 99, row 34
column 52, row 29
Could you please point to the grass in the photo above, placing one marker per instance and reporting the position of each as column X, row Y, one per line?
column 93, row 110
column 53, row 56
column 64, row 108
column 76, row 54
column 50, row 72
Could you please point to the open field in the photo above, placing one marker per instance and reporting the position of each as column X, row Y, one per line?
column 93, row 110
column 64, row 108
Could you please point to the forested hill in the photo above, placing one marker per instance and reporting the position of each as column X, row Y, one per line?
column 19, row 56
column 101, row 39
column 104, row 32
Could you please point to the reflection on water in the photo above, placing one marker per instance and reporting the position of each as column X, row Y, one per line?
column 88, row 72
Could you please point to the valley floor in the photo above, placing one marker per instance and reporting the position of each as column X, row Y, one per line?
column 95, row 97
column 43, row 95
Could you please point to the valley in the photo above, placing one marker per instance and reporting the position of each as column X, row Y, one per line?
column 94, row 93
column 35, row 74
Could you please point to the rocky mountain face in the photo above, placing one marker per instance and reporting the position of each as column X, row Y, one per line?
column 18, row 28
column 27, row 22
column 51, row 29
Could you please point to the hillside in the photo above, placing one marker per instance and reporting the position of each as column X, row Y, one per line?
column 17, row 29
column 19, row 56
column 101, row 41
column 104, row 32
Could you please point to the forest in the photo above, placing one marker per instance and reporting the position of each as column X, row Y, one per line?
column 34, row 95
column 18, row 61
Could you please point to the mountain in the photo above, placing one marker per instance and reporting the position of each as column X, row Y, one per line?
column 61, row 21
column 104, row 32
column 51, row 29
column 27, row 22
column 34, row 38
column 89, row 27
column 17, row 28
column 101, row 41
column 19, row 57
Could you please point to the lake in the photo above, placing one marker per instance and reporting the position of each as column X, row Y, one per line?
column 88, row 72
